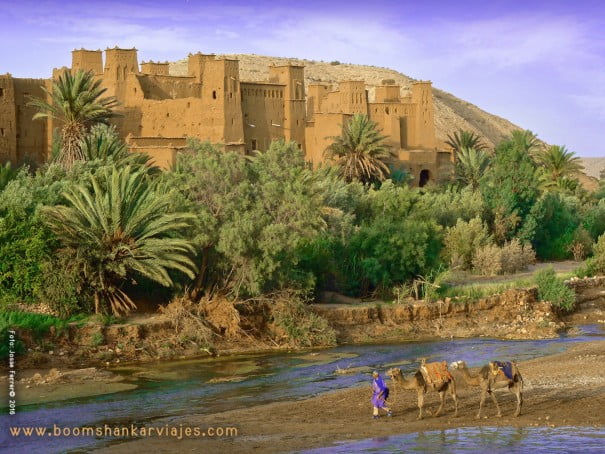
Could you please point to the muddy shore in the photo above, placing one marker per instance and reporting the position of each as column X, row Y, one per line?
column 566, row 389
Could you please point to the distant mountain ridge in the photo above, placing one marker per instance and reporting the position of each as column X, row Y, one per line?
column 451, row 113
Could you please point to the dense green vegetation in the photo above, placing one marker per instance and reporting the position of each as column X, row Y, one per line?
column 551, row 288
column 84, row 233
column 243, row 226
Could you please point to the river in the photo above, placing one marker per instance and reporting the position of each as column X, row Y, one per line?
column 176, row 388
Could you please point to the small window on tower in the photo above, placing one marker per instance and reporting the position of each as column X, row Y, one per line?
column 1, row 92
column 214, row 94
column 2, row 132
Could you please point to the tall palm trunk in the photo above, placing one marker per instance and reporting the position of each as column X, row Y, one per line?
column 71, row 150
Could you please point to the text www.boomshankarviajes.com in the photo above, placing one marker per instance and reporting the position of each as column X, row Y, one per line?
column 177, row 432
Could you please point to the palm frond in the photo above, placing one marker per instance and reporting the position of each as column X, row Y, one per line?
column 361, row 151
column 77, row 103
column 123, row 225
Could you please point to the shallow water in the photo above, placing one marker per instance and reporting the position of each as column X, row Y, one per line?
column 178, row 388
column 480, row 440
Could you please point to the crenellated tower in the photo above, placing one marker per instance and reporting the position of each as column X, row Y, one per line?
column 87, row 60
column 221, row 94
column 196, row 64
column 293, row 77
column 422, row 96
column 119, row 63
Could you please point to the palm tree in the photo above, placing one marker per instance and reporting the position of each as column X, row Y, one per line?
column 121, row 226
column 77, row 104
column 465, row 139
column 361, row 151
column 470, row 166
column 558, row 163
column 103, row 144
column 526, row 141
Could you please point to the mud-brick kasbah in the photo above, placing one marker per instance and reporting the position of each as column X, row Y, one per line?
column 159, row 111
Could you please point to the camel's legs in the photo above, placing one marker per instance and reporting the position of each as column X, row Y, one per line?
column 420, row 402
column 441, row 404
column 499, row 414
column 516, row 390
column 481, row 401
column 452, row 391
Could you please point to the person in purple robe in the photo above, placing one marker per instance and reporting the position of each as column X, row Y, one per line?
column 380, row 393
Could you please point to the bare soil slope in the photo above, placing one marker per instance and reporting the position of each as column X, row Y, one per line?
column 593, row 166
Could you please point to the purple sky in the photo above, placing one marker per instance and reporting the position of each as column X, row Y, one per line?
column 539, row 64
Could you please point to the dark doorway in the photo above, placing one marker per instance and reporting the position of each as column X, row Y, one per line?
column 425, row 177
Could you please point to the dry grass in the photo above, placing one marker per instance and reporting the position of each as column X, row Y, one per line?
column 187, row 319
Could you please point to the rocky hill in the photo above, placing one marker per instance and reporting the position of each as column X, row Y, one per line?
column 593, row 166
column 451, row 113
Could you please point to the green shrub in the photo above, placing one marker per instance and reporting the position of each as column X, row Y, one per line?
column 388, row 252
column 595, row 265
column 64, row 288
column 551, row 226
column 594, row 219
column 97, row 339
column 553, row 289
column 37, row 324
column 581, row 245
column 24, row 245
column 463, row 240
column 510, row 188
column 450, row 205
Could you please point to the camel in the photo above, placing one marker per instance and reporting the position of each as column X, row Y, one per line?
column 420, row 384
column 491, row 377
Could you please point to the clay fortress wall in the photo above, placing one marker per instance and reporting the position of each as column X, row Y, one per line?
column 159, row 111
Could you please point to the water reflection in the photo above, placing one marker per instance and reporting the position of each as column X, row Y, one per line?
column 480, row 440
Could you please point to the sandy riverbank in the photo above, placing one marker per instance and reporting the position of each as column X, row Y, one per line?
column 41, row 386
column 566, row 389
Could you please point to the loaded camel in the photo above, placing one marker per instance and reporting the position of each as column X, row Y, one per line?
column 491, row 376
column 429, row 377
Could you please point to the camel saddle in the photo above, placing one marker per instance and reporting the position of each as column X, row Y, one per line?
column 505, row 368
column 435, row 373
